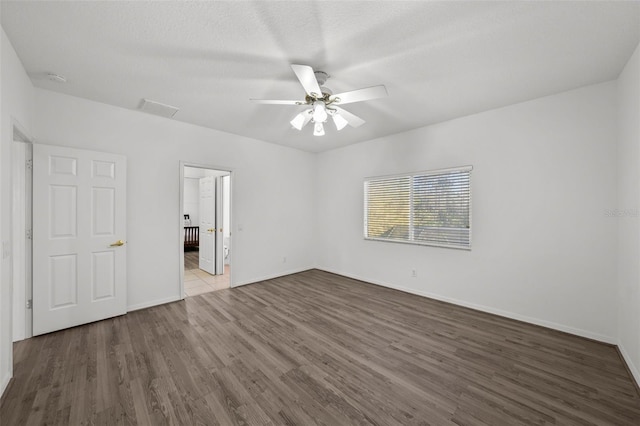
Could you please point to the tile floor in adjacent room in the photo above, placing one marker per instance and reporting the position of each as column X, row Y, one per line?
column 197, row 281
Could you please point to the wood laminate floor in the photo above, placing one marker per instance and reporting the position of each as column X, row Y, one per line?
column 316, row 348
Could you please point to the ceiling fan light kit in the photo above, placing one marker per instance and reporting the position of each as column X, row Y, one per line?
column 323, row 103
column 339, row 121
column 319, row 112
column 318, row 129
column 302, row 119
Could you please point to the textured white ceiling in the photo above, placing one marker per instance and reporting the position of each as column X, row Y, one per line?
column 438, row 60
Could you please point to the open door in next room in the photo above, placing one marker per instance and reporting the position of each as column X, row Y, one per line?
column 206, row 216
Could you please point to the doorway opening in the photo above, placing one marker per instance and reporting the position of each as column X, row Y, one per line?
column 205, row 216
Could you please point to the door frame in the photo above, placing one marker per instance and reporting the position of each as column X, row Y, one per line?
column 180, row 216
column 20, row 135
column 218, row 244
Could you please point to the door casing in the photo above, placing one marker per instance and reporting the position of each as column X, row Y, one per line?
column 20, row 223
column 180, row 216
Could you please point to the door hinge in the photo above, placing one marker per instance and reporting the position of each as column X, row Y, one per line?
column 29, row 164
column 29, row 303
column 29, row 234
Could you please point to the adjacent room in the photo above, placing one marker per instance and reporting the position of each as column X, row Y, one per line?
column 206, row 222
column 320, row 213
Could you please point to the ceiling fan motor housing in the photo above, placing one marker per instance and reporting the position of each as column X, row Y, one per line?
column 321, row 76
column 326, row 94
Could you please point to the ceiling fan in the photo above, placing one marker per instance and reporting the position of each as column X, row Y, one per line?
column 323, row 104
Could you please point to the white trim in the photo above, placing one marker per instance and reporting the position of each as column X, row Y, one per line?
column 423, row 173
column 627, row 359
column 5, row 383
column 548, row 324
column 272, row 276
column 18, row 134
column 181, row 234
column 153, row 303
column 422, row 243
column 19, row 226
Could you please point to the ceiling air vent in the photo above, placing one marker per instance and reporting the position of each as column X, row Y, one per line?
column 157, row 108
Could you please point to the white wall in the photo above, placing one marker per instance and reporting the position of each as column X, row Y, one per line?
column 17, row 97
column 271, row 196
column 543, row 249
column 628, row 205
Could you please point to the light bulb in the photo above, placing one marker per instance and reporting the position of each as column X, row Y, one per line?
column 318, row 129
column 339, row 121
column 319, row 112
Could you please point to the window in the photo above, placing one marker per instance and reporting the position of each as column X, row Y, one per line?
column 430, row 208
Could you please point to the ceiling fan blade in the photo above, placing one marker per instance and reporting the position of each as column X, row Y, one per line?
column 307, row 79
column 360, row 95
column 276, row 102
column 352, row 119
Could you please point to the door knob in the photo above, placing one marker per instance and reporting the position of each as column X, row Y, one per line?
column 210, row 230
column 117, row 244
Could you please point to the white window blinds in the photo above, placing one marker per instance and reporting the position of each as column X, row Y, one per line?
column 430, row 208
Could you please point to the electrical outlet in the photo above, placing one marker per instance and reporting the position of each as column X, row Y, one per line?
column 284, row 259
column 414, row 273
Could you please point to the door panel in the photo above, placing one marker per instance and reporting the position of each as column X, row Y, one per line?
column 103, row 277
column 207, row 224
column 79, row 275
column 104, row 214
column 64, row 281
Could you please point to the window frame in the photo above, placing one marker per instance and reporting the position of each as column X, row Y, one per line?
column 410, row 239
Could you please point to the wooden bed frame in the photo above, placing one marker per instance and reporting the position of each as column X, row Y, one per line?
column 191, row 236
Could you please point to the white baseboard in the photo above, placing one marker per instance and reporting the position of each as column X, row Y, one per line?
column 490, row 310
column 632, row 367
column 5, row 381
column 270, row 277
column 152, row 303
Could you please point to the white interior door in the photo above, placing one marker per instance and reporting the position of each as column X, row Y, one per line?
column 79, row 231
column 207, row 224
column 219, row 252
